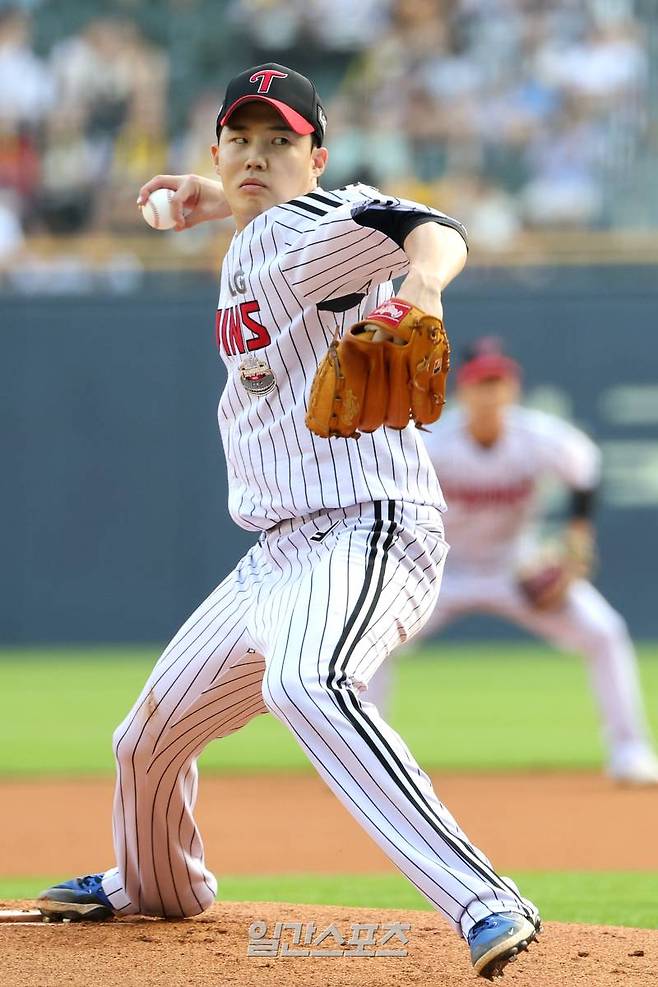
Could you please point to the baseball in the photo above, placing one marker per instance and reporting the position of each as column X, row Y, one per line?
column 157, row 209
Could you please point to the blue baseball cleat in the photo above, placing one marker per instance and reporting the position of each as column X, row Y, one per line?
column 80, row 900
column 496, row 940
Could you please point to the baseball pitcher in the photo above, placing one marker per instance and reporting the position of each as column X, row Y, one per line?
column 350, row 547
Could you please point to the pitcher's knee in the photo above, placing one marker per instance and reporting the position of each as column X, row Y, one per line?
column 189, row 907
column 206, row 898
column 151, row 903
column 132, row 746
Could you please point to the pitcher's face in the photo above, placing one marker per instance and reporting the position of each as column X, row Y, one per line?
column 263, row 163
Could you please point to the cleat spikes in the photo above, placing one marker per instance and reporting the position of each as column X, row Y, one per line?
column 498, row 940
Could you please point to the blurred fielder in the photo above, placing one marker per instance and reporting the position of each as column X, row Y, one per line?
column 492, row 455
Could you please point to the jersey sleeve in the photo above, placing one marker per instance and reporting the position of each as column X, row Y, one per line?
column 569, row 453
column 355, row 247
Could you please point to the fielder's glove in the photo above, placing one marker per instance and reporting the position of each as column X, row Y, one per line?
column 546, row 579
column 544, row 583
column 387, row 369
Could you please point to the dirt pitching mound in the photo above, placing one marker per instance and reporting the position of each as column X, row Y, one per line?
column 212, row 950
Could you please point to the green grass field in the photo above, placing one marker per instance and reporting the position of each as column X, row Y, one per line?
column 460, row 708
column 611, row 898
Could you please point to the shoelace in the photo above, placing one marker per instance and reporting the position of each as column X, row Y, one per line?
column 486, row 923
column 90, row 881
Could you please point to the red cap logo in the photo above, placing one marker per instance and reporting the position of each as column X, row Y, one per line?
column 265, row 76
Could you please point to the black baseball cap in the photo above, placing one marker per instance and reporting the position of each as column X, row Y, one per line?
column 290, row 93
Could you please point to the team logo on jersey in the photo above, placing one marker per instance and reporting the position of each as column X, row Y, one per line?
column 265, row 76
column 237, row 329
column 256, row 376
column 494, row 496
column 237, row 283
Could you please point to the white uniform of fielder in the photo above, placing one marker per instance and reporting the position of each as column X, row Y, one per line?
column 490, row 526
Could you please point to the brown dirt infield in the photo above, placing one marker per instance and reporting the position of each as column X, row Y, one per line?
column 292, row 823
column 285, row 824
column 211, row 950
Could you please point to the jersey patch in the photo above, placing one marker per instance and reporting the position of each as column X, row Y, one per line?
column 256, row 376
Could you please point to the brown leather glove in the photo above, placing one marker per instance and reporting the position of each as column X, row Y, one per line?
column 545, row 580
column 545, row 585
column 387, row 369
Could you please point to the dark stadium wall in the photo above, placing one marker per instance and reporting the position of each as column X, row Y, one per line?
column 114, row 488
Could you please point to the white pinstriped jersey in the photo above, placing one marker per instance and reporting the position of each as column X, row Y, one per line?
column 293, row 276
column 492, row 493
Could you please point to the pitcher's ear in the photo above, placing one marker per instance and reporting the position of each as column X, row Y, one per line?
column 320, row 156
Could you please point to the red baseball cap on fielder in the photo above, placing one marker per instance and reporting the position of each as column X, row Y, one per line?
column 485, row 360
column 290, row 93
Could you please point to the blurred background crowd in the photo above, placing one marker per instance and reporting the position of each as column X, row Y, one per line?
column 515, row 115
column 535, row 122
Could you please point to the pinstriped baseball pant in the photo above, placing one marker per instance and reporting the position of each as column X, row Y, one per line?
column 298, row 628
